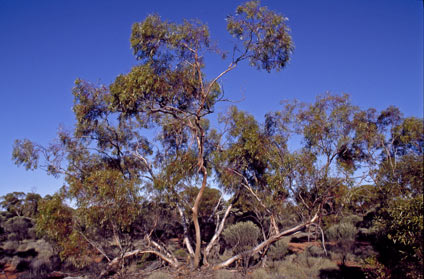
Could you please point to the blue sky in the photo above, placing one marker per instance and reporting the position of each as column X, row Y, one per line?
column 371, row 49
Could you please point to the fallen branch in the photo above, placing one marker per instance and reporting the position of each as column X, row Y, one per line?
column 114, row 264
column 265, row 243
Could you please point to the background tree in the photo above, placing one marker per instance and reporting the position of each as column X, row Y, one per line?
column 393, row 148
column 21, row 204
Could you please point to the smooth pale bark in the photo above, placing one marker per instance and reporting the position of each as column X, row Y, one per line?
column 161, row 252
column 114, row 264
column 265, row 243
column 216, row 235
column 195, row 211
column 185, row 227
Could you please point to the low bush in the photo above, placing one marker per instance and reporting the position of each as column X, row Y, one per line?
column 242, row 237
column 18, row 226
column 10, row 246
column 344, row 235
column 304, row 266
column 159, row 275
column 226, row 274
column 279, row 249
column 261, row 273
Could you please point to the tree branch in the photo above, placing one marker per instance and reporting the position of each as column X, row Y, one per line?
column 265, row 243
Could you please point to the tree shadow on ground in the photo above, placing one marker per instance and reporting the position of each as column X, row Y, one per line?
column 344, row 272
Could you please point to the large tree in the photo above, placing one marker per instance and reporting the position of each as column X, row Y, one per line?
column 109, row 159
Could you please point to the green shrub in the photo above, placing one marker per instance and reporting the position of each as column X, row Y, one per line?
column 159, row 275
column 39, row 268
column 304, row 266
column 351, row 219
column 279, row 249
column 18, row 226
column 315, row 251
column 400, row 237
column 181, row 254
column 260, row 273
column 342, row 232
column 226, row 274
column 241, row 236
column 10, row 246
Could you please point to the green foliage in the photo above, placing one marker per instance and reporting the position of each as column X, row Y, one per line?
column 17, row 227
column 400, row 235
column 181, row 254
column 405, row 223
column 55, row 219
column 260, row 273
column 241, row 236
column 21, row 204
column 211, row 197
column 264, row 35
column 342, row 232
column 304, row 266
column 56, row 223
column 278, row 250
column 344, row 235
column 25, row 153
column 12, row 202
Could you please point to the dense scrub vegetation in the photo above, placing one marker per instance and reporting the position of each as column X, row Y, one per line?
column 318, row 190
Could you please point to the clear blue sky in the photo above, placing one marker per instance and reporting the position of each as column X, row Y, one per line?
column 371, row 49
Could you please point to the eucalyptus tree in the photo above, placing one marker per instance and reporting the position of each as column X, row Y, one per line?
column 108, row 161
column 169, row 87
column 258, row 160
column 393, row 150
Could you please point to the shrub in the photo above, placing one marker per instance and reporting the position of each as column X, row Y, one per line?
column 19, row 264
column 351, row 219
column 13, row 237
column 226, row 274
column 342, row 232
column 400, row 237
column 39, row 268
column 18, row 226
column 159, row 275
column 10, row 246
column 304, row 266
column 242, row 237
column 279, row 249
column 260, row 273
column 315, row 251
column 181, row 254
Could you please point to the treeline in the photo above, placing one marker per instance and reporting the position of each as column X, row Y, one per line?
column 355, row 177
column 148, row 176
